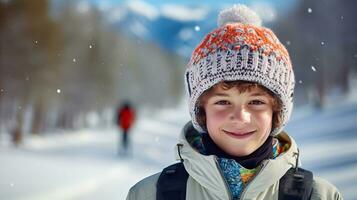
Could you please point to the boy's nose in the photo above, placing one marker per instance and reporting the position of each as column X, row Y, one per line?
column 241, row 115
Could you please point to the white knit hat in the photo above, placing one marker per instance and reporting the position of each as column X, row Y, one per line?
column 241, row 49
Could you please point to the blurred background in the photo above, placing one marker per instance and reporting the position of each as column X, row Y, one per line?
column 66, row 66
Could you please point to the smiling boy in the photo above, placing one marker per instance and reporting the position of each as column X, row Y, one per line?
column 240, row 83
column 238, row 121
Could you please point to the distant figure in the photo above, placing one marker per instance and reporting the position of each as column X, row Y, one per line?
column 125, row 120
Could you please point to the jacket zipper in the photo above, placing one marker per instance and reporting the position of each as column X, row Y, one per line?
column 250, row 181
column 225, row 181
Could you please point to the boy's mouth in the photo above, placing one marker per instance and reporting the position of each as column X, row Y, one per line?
column 239, row 135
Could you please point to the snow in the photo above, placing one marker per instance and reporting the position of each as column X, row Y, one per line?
column 313, row 68
column 327, row 143
column 71, row 166
column 85, row 164
column 138, row 29
column 183, row 13
column 266, row 11
column 115, row 14
column 185, row 34
column 143, row 8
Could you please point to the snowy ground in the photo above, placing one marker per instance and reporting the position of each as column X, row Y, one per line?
column 85, row 164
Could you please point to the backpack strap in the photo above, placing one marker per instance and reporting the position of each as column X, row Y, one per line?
column 296, row 184
column 172, row 182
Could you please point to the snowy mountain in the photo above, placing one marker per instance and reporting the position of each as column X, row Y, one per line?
column 175, row 28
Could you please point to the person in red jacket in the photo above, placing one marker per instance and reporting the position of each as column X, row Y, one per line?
column 125, row 120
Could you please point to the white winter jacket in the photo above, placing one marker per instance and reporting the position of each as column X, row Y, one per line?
column 206, row 181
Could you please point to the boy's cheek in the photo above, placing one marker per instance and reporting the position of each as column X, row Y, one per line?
column 267, row 117
column 212, row 115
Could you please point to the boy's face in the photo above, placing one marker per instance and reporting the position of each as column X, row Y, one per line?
column 239, row 123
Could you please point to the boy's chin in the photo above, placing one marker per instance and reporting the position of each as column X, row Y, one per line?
column 239, row 152
column 237, row 148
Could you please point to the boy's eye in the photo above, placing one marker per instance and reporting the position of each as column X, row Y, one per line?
column 222, row 102
column 256, row 102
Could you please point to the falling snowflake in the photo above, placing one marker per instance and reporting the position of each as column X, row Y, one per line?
column 342, row 17
column 11, row 185
column 74, row 60
column 90, row 46
column 58, row 91
column 322, row 43
column 300, row 81
column 197, row 28
column 36, row 41
column 288, row 42
column 313, row 68
column 309, row 10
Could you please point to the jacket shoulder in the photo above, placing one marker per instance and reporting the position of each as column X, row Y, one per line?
column 322, row 189
column 144, row 189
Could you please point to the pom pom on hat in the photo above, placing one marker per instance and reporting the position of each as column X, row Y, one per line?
column 238, row 14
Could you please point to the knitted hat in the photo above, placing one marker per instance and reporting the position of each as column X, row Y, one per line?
column 241, row 49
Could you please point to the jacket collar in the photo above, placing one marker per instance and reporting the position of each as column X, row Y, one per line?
column 204, row 169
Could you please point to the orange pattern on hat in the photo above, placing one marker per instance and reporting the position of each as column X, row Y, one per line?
column 235, row 36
